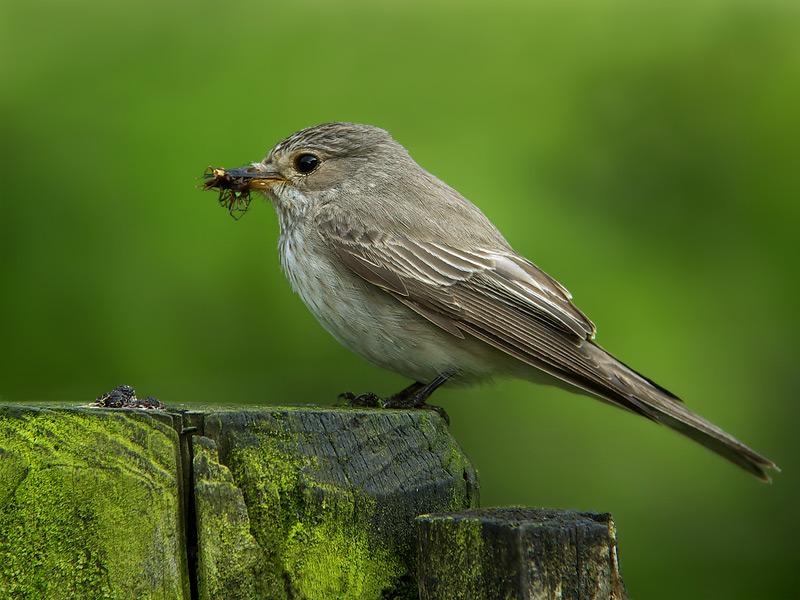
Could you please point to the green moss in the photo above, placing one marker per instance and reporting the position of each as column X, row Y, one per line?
column 334, row 557
column 89, row 506
column 460, row 572
column 316, row 536
column 231, row 564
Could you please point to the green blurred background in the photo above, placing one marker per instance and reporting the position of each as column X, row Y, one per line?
column 647, row 156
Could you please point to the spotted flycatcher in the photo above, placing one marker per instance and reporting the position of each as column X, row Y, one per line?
column 404, row 271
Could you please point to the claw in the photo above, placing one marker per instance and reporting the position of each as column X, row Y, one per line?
column 368, row 400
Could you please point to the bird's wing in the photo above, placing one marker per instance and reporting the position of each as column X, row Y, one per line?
column 493, row 295
column 438, row 276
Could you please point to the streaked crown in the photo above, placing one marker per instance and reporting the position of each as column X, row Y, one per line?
column 338, row 139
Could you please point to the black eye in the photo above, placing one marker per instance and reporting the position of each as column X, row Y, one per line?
column 305, row 163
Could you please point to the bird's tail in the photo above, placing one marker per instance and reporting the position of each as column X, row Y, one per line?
column 622, row 386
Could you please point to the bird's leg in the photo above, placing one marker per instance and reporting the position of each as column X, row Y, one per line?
column 415, row 395
column 404, row 396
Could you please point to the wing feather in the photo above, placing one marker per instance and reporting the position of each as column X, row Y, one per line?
column 374, row 272
column 475, row 291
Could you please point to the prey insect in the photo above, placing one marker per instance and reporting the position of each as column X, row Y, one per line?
column 234, row 192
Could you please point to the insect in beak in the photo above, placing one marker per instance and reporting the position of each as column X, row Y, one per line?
column 235, row 185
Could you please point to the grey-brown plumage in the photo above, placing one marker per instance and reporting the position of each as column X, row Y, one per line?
column 403, row 270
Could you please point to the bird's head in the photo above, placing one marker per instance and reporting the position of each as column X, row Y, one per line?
column 318, row 163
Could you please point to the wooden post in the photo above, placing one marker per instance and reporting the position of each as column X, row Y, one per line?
column 293, row 503
column 318, row 503
column 518, row 553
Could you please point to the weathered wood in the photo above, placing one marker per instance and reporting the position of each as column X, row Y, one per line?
column 90, row 505
column 316, row 503
column 518, row 553
column 298, row 503
column 293, row 503
column 230, row 563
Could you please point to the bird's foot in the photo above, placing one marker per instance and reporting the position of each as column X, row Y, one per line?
column 407, row 399
column 368, row 400
column 414, row 402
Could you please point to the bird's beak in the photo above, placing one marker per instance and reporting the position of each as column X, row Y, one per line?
column 253, row 177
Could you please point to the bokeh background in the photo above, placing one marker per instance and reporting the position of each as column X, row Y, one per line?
column 646, row 154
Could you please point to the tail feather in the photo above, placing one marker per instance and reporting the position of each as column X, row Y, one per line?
column 717, row 440
column 623, row 386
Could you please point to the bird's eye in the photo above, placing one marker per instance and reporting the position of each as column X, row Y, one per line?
column 305, row 163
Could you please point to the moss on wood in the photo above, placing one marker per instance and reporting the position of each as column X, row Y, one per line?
column 520, row 553
column 232, row 564
column 299, row 503
column 89, row 506
column 331, row 494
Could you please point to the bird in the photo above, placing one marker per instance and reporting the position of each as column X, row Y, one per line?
column 404, row 271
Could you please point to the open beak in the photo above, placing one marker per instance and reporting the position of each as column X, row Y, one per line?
column 252, row 177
